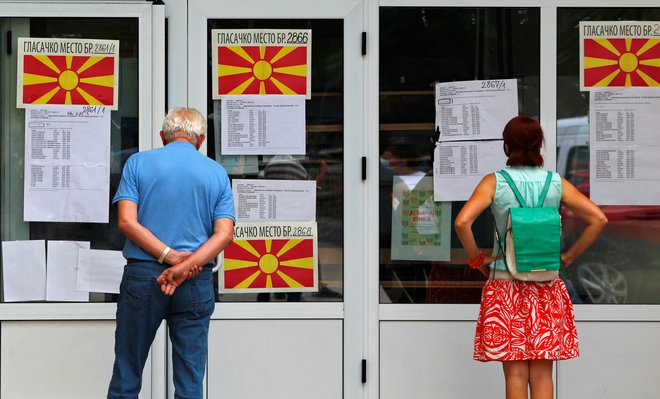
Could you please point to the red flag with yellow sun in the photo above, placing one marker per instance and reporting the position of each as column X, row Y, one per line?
column 261, row 62
column 616, row 57
column 68, row 72
column 271, row 257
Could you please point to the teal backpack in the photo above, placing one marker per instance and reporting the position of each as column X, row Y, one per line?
column 532, row 242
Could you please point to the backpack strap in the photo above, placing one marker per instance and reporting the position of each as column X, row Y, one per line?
column 506, row 176
column 500, row 250
column 545, row 189
column 519, row 197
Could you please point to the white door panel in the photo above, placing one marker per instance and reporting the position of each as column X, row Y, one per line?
column 278, row 359
column 59, row 360
column 335, row 134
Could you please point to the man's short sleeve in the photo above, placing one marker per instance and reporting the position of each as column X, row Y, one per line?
column 128, row 187
column 224, row 207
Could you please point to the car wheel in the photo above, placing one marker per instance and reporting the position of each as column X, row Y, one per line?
column 602, row 283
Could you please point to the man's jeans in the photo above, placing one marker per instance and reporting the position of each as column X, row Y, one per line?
column 140, row 310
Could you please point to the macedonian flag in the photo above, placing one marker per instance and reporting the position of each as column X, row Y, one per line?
column 270, row 265
column 621, row 62
column 262, row 70
column 60, row 79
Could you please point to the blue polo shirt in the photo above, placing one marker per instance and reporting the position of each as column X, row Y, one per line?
column 179, row 193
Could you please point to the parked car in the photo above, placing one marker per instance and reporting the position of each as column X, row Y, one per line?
column 623, row 266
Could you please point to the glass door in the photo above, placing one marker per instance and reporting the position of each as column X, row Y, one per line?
column 58, row 65
column 312, row 52
column 43, row 81
column 428, row 301
column 428, row 296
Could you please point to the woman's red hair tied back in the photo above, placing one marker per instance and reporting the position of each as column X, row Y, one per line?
column 524, row 138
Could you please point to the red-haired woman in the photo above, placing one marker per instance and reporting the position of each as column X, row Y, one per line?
column 525, row 325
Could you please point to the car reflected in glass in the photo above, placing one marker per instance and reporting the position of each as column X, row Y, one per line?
column 623, row 265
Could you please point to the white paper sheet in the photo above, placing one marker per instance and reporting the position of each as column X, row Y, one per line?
column 475, row 109
column 624, row 149
column 24, row 270
column 100, row 270
column 263, row 125
column 459, row 166
column 274, row 200
column 67, row 163
column 62, row 270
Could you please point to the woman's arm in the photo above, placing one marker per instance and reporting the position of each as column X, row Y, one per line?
column 583, row 207
column 481, row 199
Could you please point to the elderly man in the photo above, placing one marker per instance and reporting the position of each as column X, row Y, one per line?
column 175, row 208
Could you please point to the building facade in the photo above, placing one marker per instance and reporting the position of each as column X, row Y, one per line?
column 382, row 323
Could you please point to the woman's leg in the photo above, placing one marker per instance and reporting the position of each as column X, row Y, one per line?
column 540, row 379
column 516, row 376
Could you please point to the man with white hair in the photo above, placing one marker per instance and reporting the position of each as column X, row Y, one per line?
column 175, row 207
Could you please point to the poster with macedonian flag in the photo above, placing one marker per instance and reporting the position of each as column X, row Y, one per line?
column 261, row 61
column 271, row 257
column 619, row 54
column 67, row 71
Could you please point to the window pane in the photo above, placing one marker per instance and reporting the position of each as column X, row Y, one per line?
column 324, row 157
column 419, row 47
column 124, row 132
column 622, row 266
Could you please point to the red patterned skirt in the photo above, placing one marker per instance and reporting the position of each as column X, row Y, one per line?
column 520, row 320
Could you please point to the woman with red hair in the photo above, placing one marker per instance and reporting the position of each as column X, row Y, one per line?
column 526, row 325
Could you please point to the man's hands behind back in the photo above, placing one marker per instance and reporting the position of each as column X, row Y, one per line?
column 174, row 276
